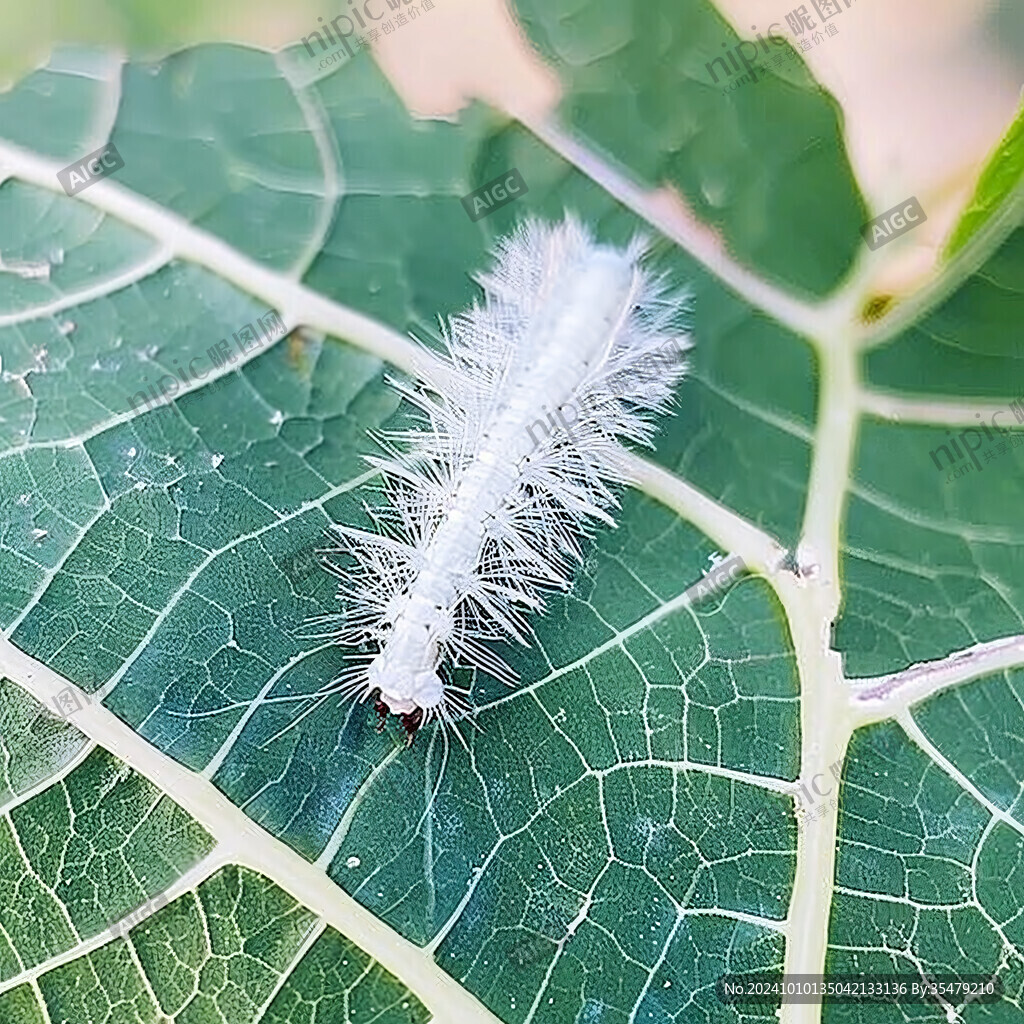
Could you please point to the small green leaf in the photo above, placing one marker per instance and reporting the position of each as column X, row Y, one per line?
column 1000, row 178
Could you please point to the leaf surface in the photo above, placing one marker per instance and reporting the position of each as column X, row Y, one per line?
column 818, row 767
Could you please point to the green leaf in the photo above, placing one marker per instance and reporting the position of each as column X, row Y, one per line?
column 761, row 163
column 816, row 767
column 86, row 863
column 996, row 183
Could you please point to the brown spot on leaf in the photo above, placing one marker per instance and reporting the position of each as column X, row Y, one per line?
column 875, row 308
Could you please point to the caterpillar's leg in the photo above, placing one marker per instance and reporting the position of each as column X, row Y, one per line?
column 411, row 722
column 382, row 712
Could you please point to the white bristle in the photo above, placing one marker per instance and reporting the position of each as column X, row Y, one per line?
column 574, row 347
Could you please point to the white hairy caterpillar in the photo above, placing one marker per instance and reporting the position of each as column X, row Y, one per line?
column 488, row 503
